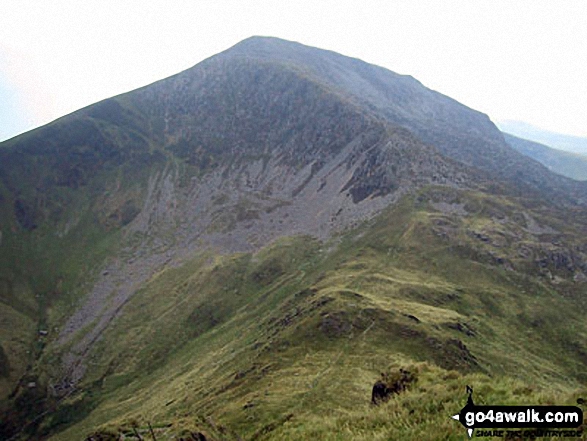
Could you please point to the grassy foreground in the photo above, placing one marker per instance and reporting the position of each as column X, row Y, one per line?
column 287, row 343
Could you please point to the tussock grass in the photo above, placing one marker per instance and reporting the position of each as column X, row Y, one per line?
column 287, row 343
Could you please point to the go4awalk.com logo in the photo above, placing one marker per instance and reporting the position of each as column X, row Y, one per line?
column 529, row 421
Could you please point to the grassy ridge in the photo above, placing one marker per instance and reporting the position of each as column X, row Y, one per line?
column 287, row 343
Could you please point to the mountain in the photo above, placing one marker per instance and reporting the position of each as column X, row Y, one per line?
column 571, row 165
column 242, row 249
column 573, row 144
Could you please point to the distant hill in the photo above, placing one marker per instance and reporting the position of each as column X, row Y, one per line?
column 574, row 144
column 571, row 165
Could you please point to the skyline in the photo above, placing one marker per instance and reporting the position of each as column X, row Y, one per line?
column 519, row 61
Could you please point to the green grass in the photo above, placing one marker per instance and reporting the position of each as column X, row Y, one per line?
column 17, row 333
column 74, row 195
column 287, row 343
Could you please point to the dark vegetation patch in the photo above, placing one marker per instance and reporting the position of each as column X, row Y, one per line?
column 195, row 154
column 69, row 413
column 108, row 110
column 336, row 324
column 122, row 215
column 206, row 316
column 25, row 215
column 465, row 328
column 104, row 435
column 267, row 272
column 20, row 414
column 4, row 364
column 452, row 354
column 392, row 383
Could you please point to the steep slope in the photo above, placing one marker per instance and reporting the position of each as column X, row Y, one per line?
column 154, row 239
column 567, row 164
column 457, row 131
column 59, row 220
column 286, row 343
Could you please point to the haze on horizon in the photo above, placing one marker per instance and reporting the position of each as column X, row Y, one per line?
column 519, row 60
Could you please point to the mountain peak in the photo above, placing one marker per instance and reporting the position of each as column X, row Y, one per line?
column 301, row 55
column 257, row 44
column 267, row 41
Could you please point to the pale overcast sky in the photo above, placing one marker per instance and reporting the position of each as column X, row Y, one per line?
column 513, row 59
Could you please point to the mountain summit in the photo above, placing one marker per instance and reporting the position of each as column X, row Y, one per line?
column 376, row 93
column 242, row 241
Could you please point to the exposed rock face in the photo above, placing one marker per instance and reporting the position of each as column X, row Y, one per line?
column 456, row 130
column 240, row 207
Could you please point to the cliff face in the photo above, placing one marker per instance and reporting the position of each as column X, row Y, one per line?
column 457, row 131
